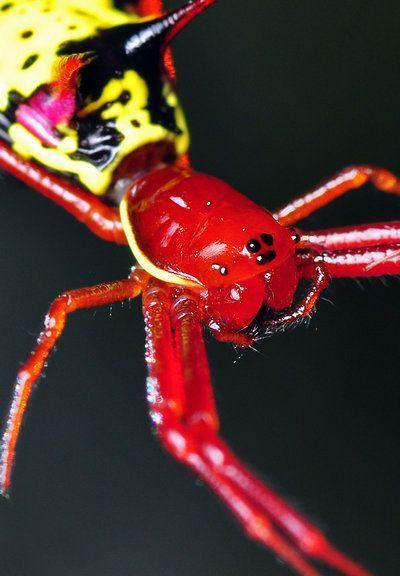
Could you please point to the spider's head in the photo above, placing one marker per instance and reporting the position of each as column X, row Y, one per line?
column 236, row 249
column 237, row 240
column 195, row 230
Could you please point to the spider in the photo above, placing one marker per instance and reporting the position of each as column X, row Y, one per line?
column 225, row 263
column 207, row 256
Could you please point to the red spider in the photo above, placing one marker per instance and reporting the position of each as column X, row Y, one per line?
column 209, row 256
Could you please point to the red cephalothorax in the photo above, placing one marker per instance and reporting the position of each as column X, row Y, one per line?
column 195, row 230
column 197, row 227
column 207, row 256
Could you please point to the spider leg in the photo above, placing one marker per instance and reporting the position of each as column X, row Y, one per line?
column 102, row 220
column 53, row 327
column 367, row 261
column 169, row 401
column 351, row 237
column 187, row 425
column 200, row 412
column 345, row 180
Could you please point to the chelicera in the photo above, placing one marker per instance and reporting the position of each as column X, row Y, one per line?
column 206, row 256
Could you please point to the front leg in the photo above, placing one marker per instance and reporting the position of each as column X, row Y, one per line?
column 369, row 261
column 364, row 250
column 373, row 234
column 102, row 220
column 183, row 410
column 181, row 403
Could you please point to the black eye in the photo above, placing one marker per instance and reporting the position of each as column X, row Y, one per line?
column 266, row 257
column 267, row 239
column 253, row 246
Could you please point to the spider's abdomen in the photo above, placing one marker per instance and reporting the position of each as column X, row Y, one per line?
column 72, row 99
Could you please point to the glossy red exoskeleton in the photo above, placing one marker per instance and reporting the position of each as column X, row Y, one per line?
column 206, row 255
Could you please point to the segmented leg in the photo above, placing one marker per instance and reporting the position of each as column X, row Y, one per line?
column 345, row 180
column 200, row 413
column 351, row 237
column 53, row 327
column 187, row 424
column 177, row 431
column 361, row 262
column 101, row 219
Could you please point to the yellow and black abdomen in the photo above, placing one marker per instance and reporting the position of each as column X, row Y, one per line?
column 124, row 101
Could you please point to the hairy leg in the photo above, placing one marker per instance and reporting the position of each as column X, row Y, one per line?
column 53, row 327
column 348, row 179
column 102, row 220
column 188, row 427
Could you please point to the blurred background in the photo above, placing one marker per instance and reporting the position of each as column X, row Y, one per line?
column 278, row 95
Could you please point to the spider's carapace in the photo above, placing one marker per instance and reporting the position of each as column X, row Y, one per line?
column 194, row 230
column 88, row 110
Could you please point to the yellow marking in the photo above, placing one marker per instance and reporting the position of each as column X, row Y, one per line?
column 28, row 146
column 50, row 29
column 97, row 181
column 144, row 262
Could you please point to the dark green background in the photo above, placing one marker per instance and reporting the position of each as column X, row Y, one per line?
column 278, row 95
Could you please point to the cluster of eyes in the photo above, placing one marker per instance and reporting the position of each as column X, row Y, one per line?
column 254, row 246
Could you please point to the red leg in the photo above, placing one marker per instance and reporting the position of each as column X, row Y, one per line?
column 191, row 352
column 345, row 180
column 101, row 219
column 176, row 428
column 351, row 237
column 361, row 262
column 53, row 327
column 190, row 434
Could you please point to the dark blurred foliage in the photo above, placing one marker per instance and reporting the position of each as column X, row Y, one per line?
column 278, row 95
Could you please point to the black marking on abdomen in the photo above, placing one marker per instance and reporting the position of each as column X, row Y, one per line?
column 111, row 60
column 26, row 34
column 29, row 61
column 8, row 116
column 98, row 141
